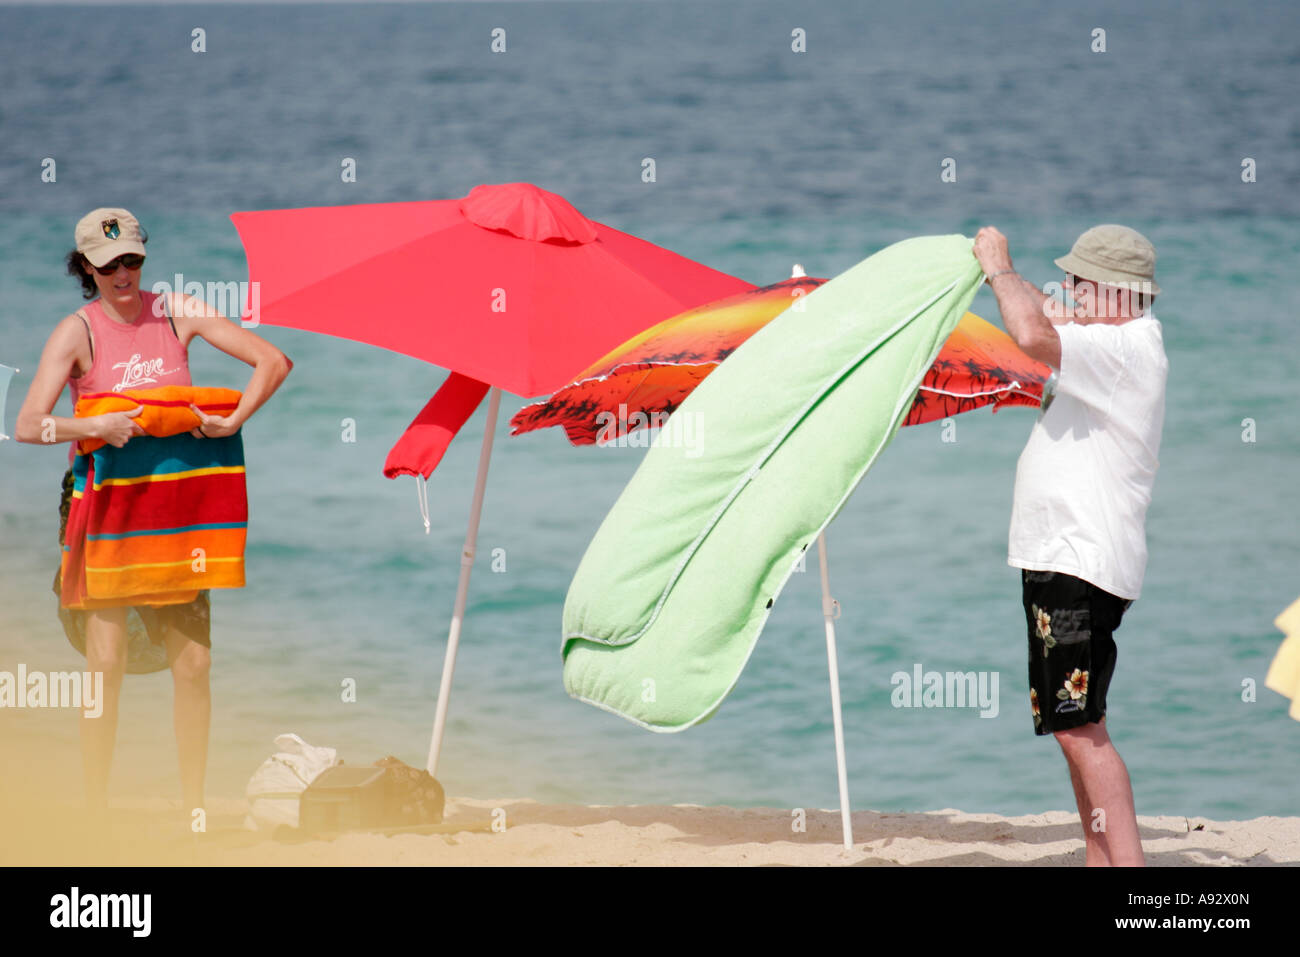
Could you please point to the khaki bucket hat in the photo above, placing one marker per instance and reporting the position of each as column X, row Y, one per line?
column 1113, row 255
column 104, row 234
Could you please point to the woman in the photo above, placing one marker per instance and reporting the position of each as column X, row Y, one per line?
column 126, row 339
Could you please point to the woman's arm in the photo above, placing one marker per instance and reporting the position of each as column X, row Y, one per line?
column 194, row 317
column 63, row 351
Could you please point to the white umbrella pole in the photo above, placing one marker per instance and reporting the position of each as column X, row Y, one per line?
column 462, row 590
column 828, row 610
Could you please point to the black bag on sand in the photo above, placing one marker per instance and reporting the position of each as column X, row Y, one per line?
column 388, row 794
column 418, row 798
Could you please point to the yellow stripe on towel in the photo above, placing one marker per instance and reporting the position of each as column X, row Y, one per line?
column 187, row 561
column 173, row 476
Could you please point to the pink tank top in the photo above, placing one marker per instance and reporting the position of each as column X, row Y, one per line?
column 143, row 354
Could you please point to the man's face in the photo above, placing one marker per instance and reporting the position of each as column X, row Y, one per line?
column 1095, row 301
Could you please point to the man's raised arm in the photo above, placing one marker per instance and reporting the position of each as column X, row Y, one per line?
column 1025, row 310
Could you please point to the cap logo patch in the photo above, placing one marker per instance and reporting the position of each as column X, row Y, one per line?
column 110, row 228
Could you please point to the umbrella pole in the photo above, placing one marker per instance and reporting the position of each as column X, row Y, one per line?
column 828, row 610
column 462, row 589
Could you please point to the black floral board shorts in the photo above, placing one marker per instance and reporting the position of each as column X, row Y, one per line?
column 1071, row 649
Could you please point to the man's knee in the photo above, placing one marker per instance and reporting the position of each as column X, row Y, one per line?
column 1076, row 741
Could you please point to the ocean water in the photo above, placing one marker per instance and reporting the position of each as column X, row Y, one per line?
column 764, row 158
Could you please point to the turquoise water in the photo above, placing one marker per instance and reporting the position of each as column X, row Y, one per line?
column 764, row 158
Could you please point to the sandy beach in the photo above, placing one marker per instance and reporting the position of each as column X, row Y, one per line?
column 43, row 822
column 533, row 834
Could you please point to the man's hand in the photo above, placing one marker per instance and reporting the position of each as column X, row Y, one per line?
column 1023, row 306
column 116, row 428
column 213, row 426
column 992, row 251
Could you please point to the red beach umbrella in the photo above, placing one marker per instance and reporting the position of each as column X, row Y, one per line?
column 510, row 287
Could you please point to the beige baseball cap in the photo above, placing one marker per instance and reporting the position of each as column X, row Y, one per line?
column 1113, row 255
column 106, row 233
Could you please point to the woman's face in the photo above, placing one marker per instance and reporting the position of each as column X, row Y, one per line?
column 121, row 284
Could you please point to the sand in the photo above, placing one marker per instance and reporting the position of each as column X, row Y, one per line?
column 43, row 822
column 528, row 834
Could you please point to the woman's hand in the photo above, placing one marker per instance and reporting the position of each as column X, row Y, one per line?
column 213, row 426
column 117, row 428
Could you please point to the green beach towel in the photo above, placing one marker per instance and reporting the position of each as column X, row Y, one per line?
column 673, row 591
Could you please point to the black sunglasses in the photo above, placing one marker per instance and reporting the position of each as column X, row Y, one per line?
column 132, row 261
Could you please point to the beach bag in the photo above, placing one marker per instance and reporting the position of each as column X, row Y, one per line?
column 275, row 787
column 386, row 795
column 417, row 796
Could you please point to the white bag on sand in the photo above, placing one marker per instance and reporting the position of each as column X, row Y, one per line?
column 275, row 787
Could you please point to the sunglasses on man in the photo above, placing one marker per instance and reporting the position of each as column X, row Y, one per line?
column 132, row 261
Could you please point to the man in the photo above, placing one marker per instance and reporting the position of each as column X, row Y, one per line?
column 1083, row 484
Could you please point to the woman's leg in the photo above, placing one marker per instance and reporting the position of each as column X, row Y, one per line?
column 105, row 654
column 191, row 711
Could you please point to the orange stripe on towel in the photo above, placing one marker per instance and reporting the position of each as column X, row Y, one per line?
column 165, row 409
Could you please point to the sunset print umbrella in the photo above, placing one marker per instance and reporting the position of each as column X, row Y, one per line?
column 509, row 287
column 653, row 372
column 978, row 365
column 642, row 381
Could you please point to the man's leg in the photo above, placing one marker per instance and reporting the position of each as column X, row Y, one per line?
column 191, row 711
column 1095, row 852
column 105, row 654
column 1101, row 781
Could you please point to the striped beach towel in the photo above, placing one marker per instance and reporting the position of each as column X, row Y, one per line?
column 164, row 410
column 161, row 518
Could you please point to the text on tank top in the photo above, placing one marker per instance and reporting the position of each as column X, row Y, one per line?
column 143, row 354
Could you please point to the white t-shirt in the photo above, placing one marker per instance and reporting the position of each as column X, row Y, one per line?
column 1084, row 480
